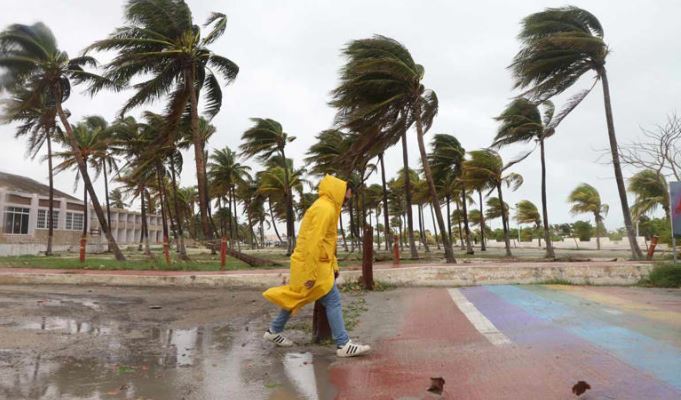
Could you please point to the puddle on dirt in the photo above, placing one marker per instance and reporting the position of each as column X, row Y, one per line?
column 127, row 360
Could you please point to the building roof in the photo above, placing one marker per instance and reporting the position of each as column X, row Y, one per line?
column 20, row 183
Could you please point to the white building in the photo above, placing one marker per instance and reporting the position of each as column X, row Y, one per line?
column 24, row 204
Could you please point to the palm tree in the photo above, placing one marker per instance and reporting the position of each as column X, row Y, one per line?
column 495, row 210
column 526, row 213
column 586, row 199
column 521, row 122
column 446, row 159
column 487, row 166
column 266, row 139
column 32, row 62
column 161, row 44
column 559, row 45
column 39, row 124
column 116, row 198
column 225, row 172
column 651, row 192
column 380, row 96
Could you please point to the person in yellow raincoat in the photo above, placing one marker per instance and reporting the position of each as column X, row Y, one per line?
column 314, row 268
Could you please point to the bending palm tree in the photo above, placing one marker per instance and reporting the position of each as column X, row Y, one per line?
column 267, row 140
column 586, row 199
column 651, row 192
column 487, row 166
column 559, row 45
column 162, row 43
column 381, row 96
column 31, row 61
column 526, row 213
column 521, row 122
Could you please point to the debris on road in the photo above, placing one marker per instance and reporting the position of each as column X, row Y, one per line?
column 580, row 387
column 436, row 385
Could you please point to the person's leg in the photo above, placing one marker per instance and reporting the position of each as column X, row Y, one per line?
column 280, row 321
column 334, row 313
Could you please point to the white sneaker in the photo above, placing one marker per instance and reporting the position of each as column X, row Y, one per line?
column 278, row 339
column 352, row 350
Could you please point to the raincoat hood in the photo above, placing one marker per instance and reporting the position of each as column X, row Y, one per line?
column 333, row 189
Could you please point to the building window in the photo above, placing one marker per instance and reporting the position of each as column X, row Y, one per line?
column 42, row 219
column 16, row 220
column 74, row 221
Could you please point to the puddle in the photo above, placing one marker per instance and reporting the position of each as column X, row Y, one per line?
column 65, row 325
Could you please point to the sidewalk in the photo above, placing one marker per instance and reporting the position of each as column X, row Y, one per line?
column 463, row 274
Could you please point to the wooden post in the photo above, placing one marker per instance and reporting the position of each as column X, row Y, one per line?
column 83, row 245
column 321, row 330
column 368, row 258
column 651, row 249
column 396, row 251
column 223, row 253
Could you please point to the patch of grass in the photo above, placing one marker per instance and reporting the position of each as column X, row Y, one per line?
column 272, row 385
column 555, row 281
column 124, row 369
column 664, row 276
column 135, row 261
column 305, row 326
column 352, row 312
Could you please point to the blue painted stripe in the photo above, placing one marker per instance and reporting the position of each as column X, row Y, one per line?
column 640, row 351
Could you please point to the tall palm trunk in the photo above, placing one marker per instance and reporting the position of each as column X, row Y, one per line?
column 274, row 222
column 432, row 216
column 458, row 221
column 164, row 218
column 449, row 253
column 50, row 227
column 386, row 217
column 86, row 180
column 352, row 227
column 422, row 222
column 199, row 155
column 340, row 222
column 145, row 225
column 597, row 217
column 85, row 207
column 545, row 213
column 236, row 220
column 290, row 225
column 449, row 220
column 483, row 247
column 178, row 216
column 106, row 198
column 407, row 189
column 467, row 231
column 614, row 149
column 504, row 222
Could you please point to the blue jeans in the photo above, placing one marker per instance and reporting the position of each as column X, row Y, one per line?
column 334, row 312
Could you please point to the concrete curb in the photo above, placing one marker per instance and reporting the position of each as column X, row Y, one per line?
column 596, row 273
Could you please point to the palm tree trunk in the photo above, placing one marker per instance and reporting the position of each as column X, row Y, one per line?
column 422, row 234
column 86, row 179
column 386, row 217
column 352, row 227
column 504, row 222
column 106, row 198
column 163, row 212
column 467, row 231
column 274, row 222
column 407, row 189
column 178, row 215
column 449, row 252
column 598, row 235
column 449, row 220
column 340, row 222
column 143, row 211
column 85, row 212
column 50, row 227
column 236, row 220
column 614, row 149
column 199, row 155
column 432, row 216
column 145, row 225
column 458, row 220
column 482, row 223
column 545, row 213
column 378, row 232
column 289, row 205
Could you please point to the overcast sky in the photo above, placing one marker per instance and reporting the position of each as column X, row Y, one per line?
column 289, row 56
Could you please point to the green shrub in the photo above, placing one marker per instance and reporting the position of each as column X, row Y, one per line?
column 664, row 275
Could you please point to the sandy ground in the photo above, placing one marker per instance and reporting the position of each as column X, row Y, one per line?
column 65, row 342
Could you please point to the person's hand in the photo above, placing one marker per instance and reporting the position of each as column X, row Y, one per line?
column 309, row 284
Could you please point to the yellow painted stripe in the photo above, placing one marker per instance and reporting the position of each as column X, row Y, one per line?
column 667, row 317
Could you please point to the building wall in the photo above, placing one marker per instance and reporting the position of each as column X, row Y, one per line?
column 126, row 226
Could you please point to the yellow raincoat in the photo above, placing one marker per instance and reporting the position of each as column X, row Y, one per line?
column 314, row 258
